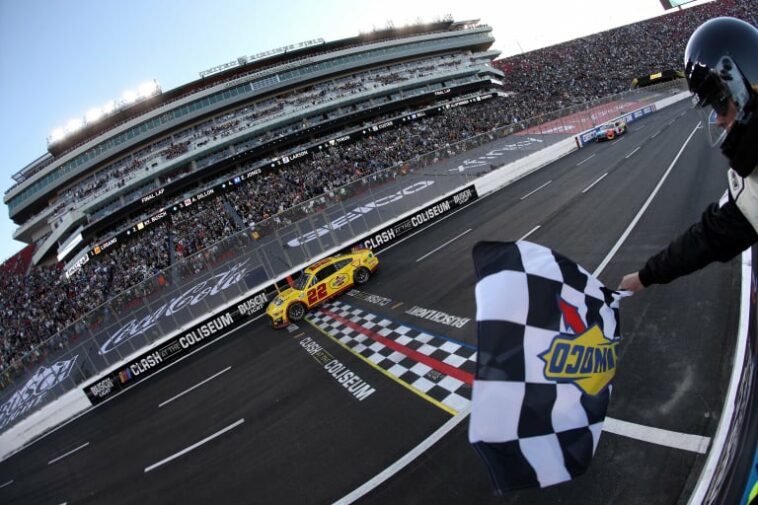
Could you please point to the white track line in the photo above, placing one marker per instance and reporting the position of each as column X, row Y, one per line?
column 727, row 415
column 632, row 153
column 531, row 231
column 443, row 245
column 666, row 438
column 618, row 139
column 194, row 446
column 69, row 453
column 636, row 219
column 586, row 159
column 596, row 181
column 694, row 443
column 167, row 367
column 6, row 484
column 405, row 460
column 535, row 190
column 655, row 134
column 639, row 431
column 194, row 387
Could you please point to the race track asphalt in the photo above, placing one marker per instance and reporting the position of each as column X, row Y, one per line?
column 268, row 423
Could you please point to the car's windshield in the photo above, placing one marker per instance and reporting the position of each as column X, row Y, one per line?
column 302, row 281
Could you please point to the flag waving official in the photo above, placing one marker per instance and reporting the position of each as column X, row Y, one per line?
column 548, row 333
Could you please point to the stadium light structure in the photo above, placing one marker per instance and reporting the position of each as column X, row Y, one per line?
column 144, row 91
column 74, row 124
column 57, row 134
column 129, row 97
column 93, row 115
column 147, row 89
column 109, row 107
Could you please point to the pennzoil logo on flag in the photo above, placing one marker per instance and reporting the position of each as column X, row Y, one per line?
column 548, row 333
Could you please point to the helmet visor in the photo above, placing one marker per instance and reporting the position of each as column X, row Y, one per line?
column 714, row 129
column 711, row 96
column 711, row 92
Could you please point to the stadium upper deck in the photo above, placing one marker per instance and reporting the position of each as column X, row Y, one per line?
column 98, row 181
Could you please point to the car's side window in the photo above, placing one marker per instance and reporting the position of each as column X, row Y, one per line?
column 341, row 264
column 325, row 272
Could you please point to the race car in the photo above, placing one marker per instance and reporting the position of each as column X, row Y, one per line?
column 610, row 131
column 319, row 282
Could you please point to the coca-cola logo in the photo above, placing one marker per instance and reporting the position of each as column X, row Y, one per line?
column 35, row 390
column 192, row 296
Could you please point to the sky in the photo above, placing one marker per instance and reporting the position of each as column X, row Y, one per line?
column 58, row 59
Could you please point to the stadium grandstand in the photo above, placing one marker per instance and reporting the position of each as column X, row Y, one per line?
column 99, row 179
column 124, row 198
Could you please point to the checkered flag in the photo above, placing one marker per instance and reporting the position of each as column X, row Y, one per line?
column 548, row 332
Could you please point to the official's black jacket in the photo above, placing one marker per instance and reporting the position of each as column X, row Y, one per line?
column 722, row 233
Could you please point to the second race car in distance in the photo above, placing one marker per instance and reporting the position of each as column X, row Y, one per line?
column 319, row 282
column 610, row 131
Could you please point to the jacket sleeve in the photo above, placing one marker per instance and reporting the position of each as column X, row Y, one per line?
column 722, row 233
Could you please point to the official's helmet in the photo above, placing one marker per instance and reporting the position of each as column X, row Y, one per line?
column 721, row 61
column 721, row 64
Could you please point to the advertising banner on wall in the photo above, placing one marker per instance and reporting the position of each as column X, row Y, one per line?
column 180, row 345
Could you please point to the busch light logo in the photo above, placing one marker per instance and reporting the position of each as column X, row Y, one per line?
column 192, row 296
column 35, row 390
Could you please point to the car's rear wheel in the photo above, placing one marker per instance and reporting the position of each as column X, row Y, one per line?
column 361, row 275
column 296, row 311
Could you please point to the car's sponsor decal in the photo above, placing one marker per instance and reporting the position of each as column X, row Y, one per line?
column 339, row 281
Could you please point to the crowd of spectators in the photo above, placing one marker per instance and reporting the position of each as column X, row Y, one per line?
column 40, row 303
column 197, row 136
column 200, row 226
column 605, row 63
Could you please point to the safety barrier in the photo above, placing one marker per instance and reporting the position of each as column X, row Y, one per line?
column 729, row 473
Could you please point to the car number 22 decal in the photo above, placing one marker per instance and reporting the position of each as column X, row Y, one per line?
column 316, row 294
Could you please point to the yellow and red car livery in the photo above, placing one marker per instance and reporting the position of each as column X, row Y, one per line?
column 319, row 282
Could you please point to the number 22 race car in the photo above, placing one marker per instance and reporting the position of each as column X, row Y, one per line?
column 319, row 282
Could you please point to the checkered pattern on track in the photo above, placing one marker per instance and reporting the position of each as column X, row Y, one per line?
column 439, row 368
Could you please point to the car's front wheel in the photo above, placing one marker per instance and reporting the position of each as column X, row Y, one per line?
column 295, row 312
column 361, row 275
